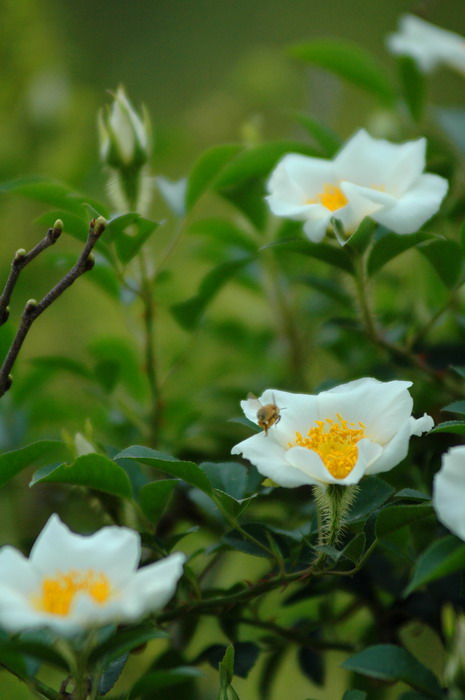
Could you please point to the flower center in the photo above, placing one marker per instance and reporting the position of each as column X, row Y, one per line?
column 335, row 442
column 58, row 593
column 332, row 197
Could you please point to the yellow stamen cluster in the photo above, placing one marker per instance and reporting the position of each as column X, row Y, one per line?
column 58, row 593
column 335, row 442
column 332, row 198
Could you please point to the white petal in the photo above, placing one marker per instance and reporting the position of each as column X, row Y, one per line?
column 112, row 550
column 418, row 426
column 315, row 228
column 393, row 452
column 16, row 571
column 270, row 459
column 416, row 206
column 382, row 407
column 449, row 491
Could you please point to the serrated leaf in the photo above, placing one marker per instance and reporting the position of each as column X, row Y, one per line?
column 93, row 471
column 392, row 663
column 446, row 257
column 337, row 257
column 349, row 61
column 13, row 462
column 395, row 517
column 230, row 477
column 187, row 471
column 413, row 86
column 154, row 498
column 441, row 558
column 450, row 426
column 188, row 313
column 229, row 504
column 455, row 407
column 128, row 244
column 157, row 680
column 390, row 246
column 372, row 493
column 206, row 170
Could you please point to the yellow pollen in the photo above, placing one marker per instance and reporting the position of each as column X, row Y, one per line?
column 58, row 593
column 332, row 197
column 335, row 442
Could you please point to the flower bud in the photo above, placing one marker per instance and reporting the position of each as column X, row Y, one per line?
column 125, row 137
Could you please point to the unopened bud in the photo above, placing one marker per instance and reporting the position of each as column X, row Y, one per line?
column 99, row 225
column 19, row 256
column 125, row 137
column 90, row 262
column 56, row 230
column 5, row 316
column 30, row 306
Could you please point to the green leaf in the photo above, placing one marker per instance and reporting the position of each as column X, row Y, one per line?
column 395, row 517
column 350, row 62
column 157, row 680
column 230, row 477
column 450, row 426
column 460, row 370
column 455, row 407
column 206, row 170
column 53, row 193
column 249, row 198
column 154, row 498
column 413, row 86
column 411, row 495
column 372, row 493
column 129, row 244
column 446, row 257
column 223, row 232
column 392, row 663
column 60, row 363
column 187, row 471
column 45, row 653
column 337, row 257
column 125, row 640
column 362, row 236
column 329, row 288
column 390, row 246
column 229, row 504
column 13, row 462
column 443, row 557
column 257, row 162
column 188, row 313
column 94, row 471
column 325, row 137
column 354, row 695
column 76, row 226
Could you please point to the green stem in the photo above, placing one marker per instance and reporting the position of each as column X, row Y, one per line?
column 333, row 504
column 361, row 280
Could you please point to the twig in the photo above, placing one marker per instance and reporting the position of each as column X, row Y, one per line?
column 34, row 309
column 22, row 259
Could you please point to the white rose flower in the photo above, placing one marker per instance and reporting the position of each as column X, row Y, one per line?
column 449, row 491
column 73, row 582
column 336, row 437
column 368, row 177
column 427, row 44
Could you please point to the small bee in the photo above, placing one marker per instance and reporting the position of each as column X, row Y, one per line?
column 267, row 414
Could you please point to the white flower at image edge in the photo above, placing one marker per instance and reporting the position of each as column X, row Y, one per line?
column 335, row 437
column 368, row 177
column 73, row 582
column 427, row 44
column 449, row 491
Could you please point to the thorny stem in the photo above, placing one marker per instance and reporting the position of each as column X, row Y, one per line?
column 34, row 309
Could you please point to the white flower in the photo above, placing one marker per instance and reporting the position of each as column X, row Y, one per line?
column 72, row 582
column 125, row 138
column 427, row 44
column 335, row 437
column 368, row 177
column 449, row 491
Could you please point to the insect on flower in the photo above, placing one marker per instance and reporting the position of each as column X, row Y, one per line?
column 267, row 414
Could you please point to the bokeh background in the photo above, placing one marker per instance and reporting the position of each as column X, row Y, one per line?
column 209, row 71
